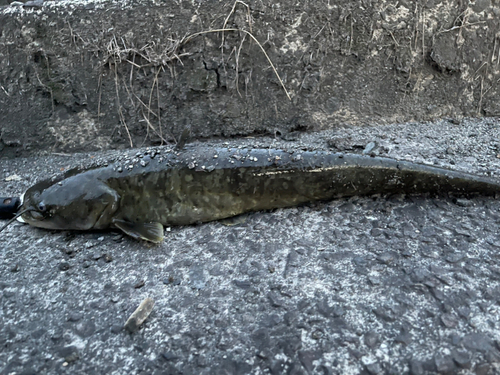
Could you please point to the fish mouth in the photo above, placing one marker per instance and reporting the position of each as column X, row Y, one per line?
column 31, row 216
column 20, row 217
column 31, row 213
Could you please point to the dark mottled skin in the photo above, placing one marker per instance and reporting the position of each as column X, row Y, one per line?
column 209, row 184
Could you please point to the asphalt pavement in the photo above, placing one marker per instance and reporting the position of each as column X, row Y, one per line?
column 371, row 285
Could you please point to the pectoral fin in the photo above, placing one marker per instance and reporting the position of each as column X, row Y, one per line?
column 152, row 232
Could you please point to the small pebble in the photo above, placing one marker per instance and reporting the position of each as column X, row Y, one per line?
column 64, row 266
column 139, row 315
column 139, row 284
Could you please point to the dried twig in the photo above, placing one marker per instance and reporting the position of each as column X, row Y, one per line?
column 159, row 55
column 120, row 112
column 249, row 18
column 460, row 27
column 158, row 103
column 47, row 88
column 192, row 36
column 146, row 119
column 237, row 57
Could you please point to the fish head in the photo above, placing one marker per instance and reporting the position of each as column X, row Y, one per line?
column 80, row 202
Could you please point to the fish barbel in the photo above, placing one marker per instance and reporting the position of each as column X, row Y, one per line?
column 163, row 187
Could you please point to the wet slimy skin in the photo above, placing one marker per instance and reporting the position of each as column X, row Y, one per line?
column 162, row 187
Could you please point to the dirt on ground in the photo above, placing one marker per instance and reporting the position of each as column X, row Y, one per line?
column 93, row 75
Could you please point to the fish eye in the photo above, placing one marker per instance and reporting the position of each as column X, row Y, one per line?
column 42, row 207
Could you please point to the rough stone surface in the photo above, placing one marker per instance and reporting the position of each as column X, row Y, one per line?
column 92, row 75
column 307, row 290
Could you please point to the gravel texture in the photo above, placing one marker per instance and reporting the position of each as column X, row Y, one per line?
column 370, row 285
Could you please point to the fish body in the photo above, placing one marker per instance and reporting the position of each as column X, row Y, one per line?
column 163, row 187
